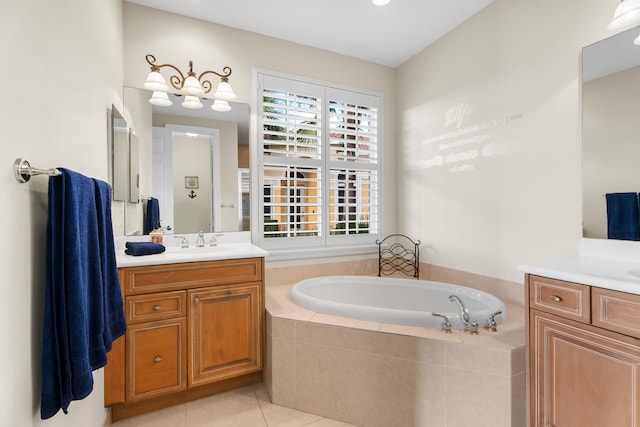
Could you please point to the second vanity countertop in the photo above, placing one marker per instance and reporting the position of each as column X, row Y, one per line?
column 617, row 275
column 227, row 248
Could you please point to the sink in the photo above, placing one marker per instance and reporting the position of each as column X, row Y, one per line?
column 174, row 254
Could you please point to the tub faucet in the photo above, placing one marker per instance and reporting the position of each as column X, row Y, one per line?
column 469, row 326
column 200, row 241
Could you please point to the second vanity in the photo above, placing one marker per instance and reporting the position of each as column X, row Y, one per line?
column 195, row 327
column 583, row 330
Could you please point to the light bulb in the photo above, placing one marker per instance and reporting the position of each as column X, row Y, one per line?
column 627, row 15
column 221, row 105
column 380, row 2
column 192, row 86
column 155, row 81
column 224, row 91
column 192, row 102
column 160, row 99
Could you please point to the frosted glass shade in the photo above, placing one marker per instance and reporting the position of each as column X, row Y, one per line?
column 380, row 2
column 160, row 99
column 221, row 105
column 192, row 102
column 192, row 86
column 155, row 81
column 627, row 15
column 224, row 91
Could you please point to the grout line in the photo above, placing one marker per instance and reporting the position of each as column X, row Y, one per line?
column 255, row 394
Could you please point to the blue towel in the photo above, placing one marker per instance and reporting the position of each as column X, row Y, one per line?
column 623, row 218
column 152, row 219
column 143, row 248
column 83, row 309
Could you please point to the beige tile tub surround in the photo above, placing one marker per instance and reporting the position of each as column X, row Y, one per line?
column 372, row 374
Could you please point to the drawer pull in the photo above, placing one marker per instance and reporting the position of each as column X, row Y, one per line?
column 157, row 359
column 555, row 298
column 156, row 308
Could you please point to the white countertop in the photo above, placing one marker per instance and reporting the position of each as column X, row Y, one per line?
column 617, row 275
column 230, row 246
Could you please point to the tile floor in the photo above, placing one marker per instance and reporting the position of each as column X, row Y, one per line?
column 245, row 407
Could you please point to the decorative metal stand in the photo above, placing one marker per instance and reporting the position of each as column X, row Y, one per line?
column 394, row 256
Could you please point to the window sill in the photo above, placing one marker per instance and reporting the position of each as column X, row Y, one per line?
column 313, row 253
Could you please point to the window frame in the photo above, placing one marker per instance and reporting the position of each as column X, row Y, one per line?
column 325, row 241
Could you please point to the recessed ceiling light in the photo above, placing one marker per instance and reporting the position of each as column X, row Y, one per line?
column 380, row 2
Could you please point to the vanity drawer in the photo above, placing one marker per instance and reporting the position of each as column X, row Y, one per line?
column 166, row 305
column 570, row 300
column 156, row 358
column 616, row 311
column 189, row 275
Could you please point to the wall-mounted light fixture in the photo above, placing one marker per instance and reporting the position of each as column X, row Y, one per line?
column 189, row 86
column 627, row 15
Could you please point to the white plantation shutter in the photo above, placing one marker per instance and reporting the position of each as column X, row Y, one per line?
column 319, row 163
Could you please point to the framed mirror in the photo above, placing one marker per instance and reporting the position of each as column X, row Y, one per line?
column 610, row 126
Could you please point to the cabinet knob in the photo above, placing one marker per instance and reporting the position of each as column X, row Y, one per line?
column 196, row 300
column 555, row 298
column 156, row 308
column 157, row 359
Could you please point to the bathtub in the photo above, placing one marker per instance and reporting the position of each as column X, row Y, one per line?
column 395, row 300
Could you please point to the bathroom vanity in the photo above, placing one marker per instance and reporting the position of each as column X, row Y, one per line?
column 583, row 343
column 195, row 327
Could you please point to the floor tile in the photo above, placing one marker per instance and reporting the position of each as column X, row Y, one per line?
column 246, row 407
column 174, row 416
column 237, row 408
column 279, row 416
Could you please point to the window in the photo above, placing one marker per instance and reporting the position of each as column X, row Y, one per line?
column 319, row 155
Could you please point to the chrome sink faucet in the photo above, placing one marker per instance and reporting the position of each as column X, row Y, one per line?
column 184, row 244
column 469, row 326
column 200, row 241
column 213, row 241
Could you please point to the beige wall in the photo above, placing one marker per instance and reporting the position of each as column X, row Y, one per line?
column 61, row 71
column 490, row 153
column 176, row 40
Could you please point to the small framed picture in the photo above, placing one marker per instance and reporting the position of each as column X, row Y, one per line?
column 191, row 182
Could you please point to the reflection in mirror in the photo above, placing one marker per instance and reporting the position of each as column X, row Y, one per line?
column 134, row 167
column 199, row 163
column 119, row 156
column 610, row 130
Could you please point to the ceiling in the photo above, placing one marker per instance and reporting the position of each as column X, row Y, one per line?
column 387, row 35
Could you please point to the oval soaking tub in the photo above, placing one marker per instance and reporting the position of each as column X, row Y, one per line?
column 395, row 300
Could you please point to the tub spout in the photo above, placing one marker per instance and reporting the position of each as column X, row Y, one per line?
column 469, row 326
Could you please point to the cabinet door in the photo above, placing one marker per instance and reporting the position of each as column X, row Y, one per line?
column 582, row 376
column 225, row 332
column 156, row 358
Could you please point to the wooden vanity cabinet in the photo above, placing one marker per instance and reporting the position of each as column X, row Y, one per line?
column 193, row 329
column 583, row 372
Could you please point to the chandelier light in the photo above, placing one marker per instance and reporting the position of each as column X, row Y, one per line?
column 191, row 86
column 626, row 15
